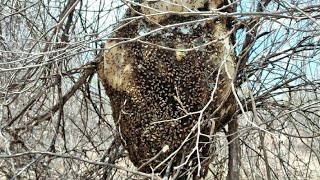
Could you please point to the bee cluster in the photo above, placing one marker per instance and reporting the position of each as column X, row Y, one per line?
column 157, row 83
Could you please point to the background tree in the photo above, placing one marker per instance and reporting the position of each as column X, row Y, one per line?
column 55, row 119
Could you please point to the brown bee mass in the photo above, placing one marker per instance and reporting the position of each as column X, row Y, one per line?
column 162, row 84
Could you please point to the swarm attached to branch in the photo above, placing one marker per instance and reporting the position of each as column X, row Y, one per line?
column 167, row 85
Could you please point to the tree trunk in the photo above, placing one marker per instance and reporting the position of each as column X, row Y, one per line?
column 234, row 151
